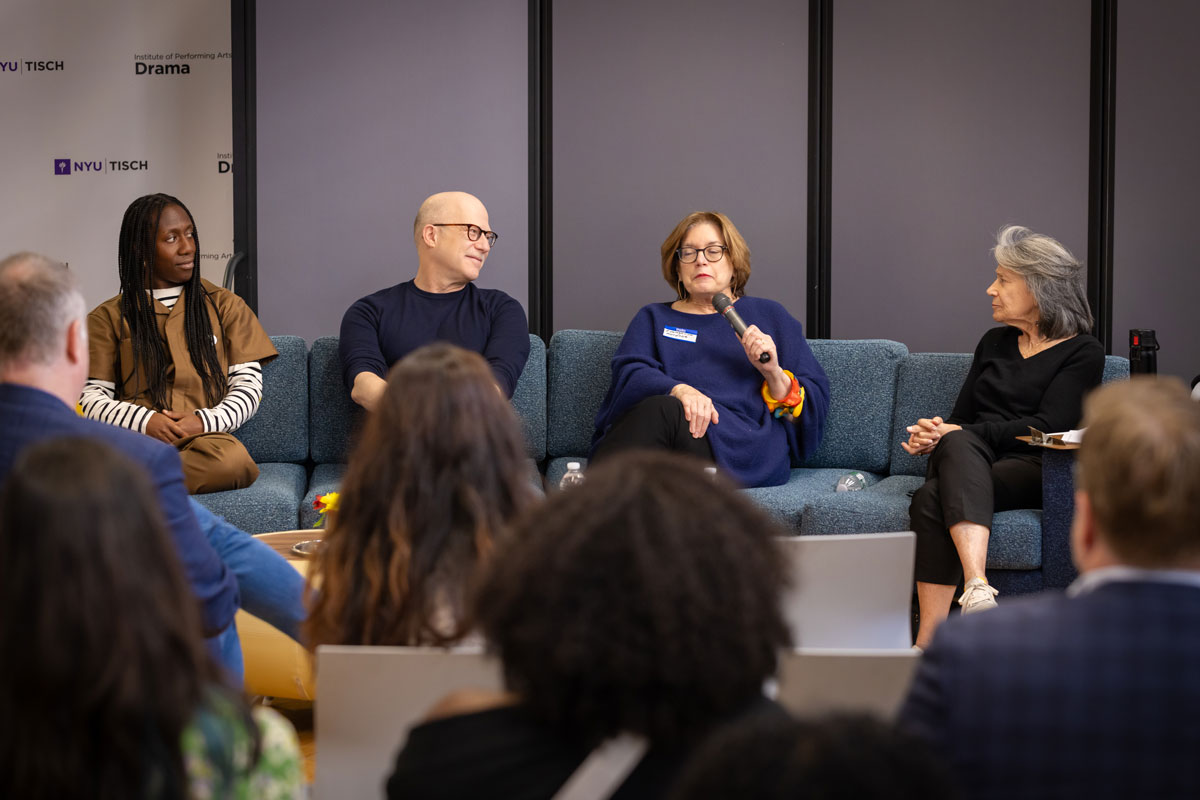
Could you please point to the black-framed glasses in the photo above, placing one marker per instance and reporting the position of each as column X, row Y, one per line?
column 473, row 231
column 714, row 253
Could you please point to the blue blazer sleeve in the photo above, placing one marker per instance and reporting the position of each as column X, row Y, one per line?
column 212, row 583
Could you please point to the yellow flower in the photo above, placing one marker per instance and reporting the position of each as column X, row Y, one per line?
column 325, row 503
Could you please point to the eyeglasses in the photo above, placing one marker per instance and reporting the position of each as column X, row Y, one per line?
column 714, row 253
column 473, row 231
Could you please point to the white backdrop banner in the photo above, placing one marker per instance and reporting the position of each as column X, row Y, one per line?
column 105, row 102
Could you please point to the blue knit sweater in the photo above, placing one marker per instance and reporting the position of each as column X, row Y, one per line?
column 748, row 443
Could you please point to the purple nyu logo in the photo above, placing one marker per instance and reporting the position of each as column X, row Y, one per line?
column 65, row 166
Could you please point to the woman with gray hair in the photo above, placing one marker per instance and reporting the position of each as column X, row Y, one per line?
column 1032, row 371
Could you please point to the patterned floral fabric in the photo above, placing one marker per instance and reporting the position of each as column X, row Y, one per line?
column 217, row 749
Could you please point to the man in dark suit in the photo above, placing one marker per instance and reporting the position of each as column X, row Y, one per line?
column 1095, row 692
column 43, row 367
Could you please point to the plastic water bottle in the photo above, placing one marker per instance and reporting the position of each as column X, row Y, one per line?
column 852, row 482
column 572, row 477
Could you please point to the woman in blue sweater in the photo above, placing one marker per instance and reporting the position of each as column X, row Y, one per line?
column 682, row 379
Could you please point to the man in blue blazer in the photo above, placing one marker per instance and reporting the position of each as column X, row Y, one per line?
column 43, row 367
column 1096, row 692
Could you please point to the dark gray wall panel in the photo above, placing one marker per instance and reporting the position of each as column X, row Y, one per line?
column 366, row 107
column 1156, row 237
column 950, row 119
column 665, row 108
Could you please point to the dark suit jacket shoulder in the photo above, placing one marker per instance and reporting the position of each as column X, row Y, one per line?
column 1092, row 696
column 28, row 415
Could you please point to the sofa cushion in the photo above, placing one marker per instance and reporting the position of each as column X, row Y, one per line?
column 1015, row 543
column 333, row 416
column 271, row 503
column 278, row 431
column 880, row 508
column 927, row 385
column 787, row 503
column 529, row 399
column 1116, row 368
column 862, row 387
column 1016, row 540
column 578, row 371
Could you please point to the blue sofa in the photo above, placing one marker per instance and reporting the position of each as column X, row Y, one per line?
column 302, row 432
column 877, row 388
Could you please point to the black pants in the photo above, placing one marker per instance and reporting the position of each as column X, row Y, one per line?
column 656, row 423
column 966, row 482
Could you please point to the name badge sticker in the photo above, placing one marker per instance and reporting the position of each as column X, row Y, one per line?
column 680, row 334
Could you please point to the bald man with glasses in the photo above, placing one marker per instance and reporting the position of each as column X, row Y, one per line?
column 441, row 303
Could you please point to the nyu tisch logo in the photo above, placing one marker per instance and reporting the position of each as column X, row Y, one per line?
column 62, row 166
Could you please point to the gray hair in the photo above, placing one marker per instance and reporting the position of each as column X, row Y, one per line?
column 1052, row 274
column 39, row 299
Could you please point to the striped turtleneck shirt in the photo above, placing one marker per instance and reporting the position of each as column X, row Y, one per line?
column 99, row 402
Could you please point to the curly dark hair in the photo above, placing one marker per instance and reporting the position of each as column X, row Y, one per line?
column 104, row 665
column 438, row 473
column 136, row 251
column 842, row 756
column 646, row 600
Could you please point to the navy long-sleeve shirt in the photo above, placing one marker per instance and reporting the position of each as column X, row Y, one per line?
column 381, row 328
column 664, row 347
column 1004, row 393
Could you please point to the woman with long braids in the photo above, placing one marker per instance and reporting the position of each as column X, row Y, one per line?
column 174, row 356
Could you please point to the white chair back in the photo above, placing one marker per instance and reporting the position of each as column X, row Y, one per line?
column 850, row 591
column 813, row 682
column 367, row 700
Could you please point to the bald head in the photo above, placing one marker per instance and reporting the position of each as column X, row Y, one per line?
column 445, row 207
column 448, row 259
column 39, row 299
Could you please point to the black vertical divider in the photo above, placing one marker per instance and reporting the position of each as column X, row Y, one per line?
column 1101, row 150
column 820, row 152
column 245, row 184
column 541, row 186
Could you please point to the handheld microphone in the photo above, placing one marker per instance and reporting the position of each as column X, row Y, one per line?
column 725, row 306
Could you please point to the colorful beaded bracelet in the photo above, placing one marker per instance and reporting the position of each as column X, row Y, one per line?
column 793, row 403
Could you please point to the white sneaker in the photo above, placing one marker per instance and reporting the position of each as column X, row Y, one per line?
column 977, row 596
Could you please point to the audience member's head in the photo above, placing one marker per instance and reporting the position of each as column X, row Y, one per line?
column 779, row 758
column 159, row 248
column 39, row 303
column 737, row 251
column 453, row 239
column 645, row 600
column 1138, row 476
column 439, row 471
column 103, row 662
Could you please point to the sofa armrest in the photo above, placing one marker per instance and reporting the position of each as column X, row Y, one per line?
column 1058, row 509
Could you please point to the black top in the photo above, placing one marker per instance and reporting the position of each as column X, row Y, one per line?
column 503, row 752
column 382, row 328
column 1005, row 394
